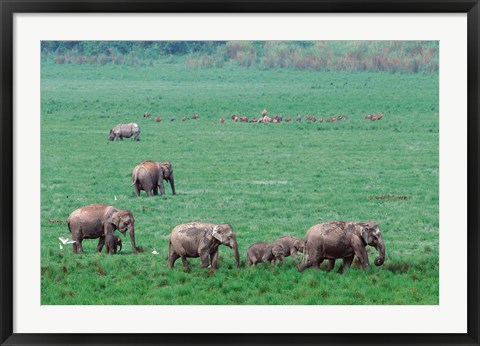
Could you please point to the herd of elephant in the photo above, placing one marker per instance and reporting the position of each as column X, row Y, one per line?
column 325, row 241
column 329, row 240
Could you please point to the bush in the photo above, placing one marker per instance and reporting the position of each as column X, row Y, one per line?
column 373, row 56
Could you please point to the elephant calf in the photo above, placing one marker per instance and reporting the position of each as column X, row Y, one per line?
column 117, row 244
column 291, row 245
column 149, row 176
column 265, row 252
column 100, row 221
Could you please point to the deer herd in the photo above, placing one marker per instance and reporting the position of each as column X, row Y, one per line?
column 264, row 118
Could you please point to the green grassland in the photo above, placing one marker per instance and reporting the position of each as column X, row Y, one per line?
column 266, row 180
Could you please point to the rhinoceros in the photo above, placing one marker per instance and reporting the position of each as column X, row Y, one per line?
column 125, row 130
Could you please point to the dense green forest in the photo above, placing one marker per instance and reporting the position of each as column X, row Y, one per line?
column 372, row 56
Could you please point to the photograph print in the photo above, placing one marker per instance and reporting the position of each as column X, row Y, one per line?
column 239, row 173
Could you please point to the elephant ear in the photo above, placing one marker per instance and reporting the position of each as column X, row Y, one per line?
column 217, row 235
column 114, row 218
column 365, row 235
column 167, row 170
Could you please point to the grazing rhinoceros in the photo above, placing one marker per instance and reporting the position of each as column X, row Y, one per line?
column 125, row 131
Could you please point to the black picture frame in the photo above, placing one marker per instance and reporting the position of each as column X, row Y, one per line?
column 9, row 8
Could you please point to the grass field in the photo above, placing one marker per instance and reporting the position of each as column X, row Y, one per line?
column 266, row 180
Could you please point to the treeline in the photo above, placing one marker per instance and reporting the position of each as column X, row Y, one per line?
column 392, row 56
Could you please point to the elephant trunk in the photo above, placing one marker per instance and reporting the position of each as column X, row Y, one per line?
column 131, row 230
column 237, row 256
column 381, row 251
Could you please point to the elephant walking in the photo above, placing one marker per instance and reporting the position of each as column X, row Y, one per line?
column 198, row 239
column 149, row 175
column 265, row 252
column 291, row 245
column 125, row 131
column 340, row 239
column 100, row 221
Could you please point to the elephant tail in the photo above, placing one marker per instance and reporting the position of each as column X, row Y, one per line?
column 134, row 176
column 68, row 224
column 169, row 248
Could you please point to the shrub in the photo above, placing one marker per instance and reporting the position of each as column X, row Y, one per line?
column 393, row 56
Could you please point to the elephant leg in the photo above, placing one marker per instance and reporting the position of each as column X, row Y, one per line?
column 361, row 253
column 137, row 189
column 316, row 263
column 331, row 265
column 110, row 243
column 101, row 242
column 172, row 257
column 162, row 187
column 214, row 260
column 347, row 262
column 305, row 265
column 79, row 246
column 205, row 259
column 172, row 184
column 155, row 190
column 280, row 260
column 317, row 259
column 184, row 261
column 149, row 192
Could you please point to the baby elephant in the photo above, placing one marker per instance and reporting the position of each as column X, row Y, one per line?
column 116, row 245
column 265, row 252
column 291, row 245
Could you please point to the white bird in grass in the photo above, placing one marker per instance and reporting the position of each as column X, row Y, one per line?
column 154, row 252
column 65, row 241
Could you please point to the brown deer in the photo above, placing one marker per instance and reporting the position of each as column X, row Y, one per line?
column 331, row 119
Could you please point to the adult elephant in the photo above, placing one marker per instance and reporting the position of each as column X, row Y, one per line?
column 199, row 239
column 125, row 131
column 100, row 221
column 149, row 175
column 341, row 239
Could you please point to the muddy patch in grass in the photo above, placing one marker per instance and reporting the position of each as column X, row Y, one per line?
column 270, row 182
column 390, row 197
